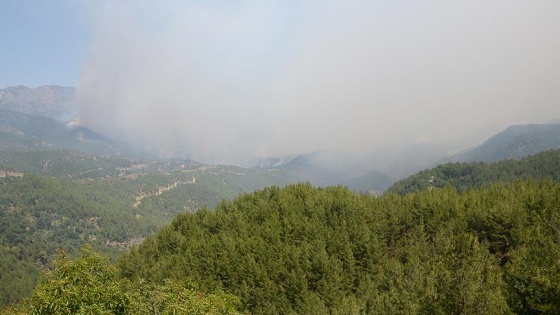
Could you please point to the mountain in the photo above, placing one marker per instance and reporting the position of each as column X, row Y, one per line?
column 19, row 131
column 411, row 159
column 63, row 186
column 515, row 142
column 49, row 101
column 25, row 132
column 464, row 176
column 327, row 168
column 373, row 182
column 274, row 162
column 318, row 168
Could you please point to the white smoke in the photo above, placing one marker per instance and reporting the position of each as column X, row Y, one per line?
column 223, row 81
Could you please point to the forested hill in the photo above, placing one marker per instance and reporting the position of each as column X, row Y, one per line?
column 516, row 142
column 21, row 132
column 39, row 215
column 305, row 250
column 463, row 176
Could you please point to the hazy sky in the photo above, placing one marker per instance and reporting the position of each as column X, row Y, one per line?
column 224, row 81
column 42, row 42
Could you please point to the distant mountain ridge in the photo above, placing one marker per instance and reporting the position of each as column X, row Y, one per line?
column 25, row 132
column 520, row 151
column 515, row 142
column 49, row 101
column 373, row 182
column 468, row 175
column 320, row 168
column 323, row 168
column 34, row 119
column 272, row 162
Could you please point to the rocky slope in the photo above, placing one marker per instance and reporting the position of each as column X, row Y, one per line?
column 50, row 101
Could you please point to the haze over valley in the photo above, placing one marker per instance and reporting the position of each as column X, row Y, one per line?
column 229, row 82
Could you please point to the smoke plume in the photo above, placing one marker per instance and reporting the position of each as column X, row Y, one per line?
column 225, row 81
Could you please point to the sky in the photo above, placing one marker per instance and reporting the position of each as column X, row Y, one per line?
column 225, row 81
column 43, row 42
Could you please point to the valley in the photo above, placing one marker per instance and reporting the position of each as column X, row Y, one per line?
column 280, row 157
column 288, row 234
column 160, row 190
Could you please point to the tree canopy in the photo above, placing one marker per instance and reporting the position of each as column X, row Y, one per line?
column 464, row 176
column 89, row 285
column 312, row 250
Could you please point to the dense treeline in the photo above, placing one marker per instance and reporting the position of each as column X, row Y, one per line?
column 516, row 142
column 444, row 248
column 316, row 251
column 90, row 285
column 39, row 215
column 64, row 163
column 464, row 176
column 17, row 277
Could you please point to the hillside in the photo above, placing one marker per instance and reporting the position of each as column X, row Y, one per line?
column 23, row 132
column 515, row 142
column 464, row 176
column 48, row 101
column 373, row 183
column 304, row 168
column 112, row 207
column 472, row 247
column 324, row 168
column 327, row 168
column 305, row 250
column 89, row 284
column 40, row 215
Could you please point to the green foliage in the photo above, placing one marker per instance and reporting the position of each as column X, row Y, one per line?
column 173, row 297
column 65, row 163
column 17, row 278
column 533, row 277
column 516, row 142
column 464, row 176
column 300, row 249
column 89, row 285
column 39, row 215
column 454, row 249
column 305, row 250
column 23, row 132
